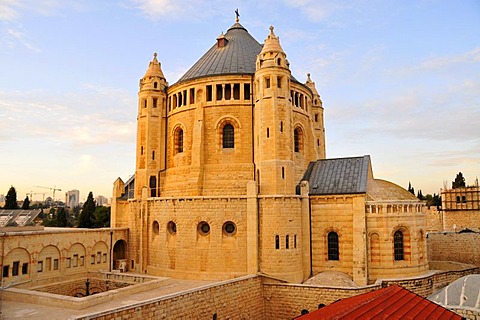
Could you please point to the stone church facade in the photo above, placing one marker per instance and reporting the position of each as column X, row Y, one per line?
column 232, row 179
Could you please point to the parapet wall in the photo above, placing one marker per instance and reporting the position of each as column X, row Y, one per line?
column 452, row 246
column 259, row 297
column 231, row 299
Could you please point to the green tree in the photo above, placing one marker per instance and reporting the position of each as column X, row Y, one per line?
column 102, row 217
column 420, row 195
column 11, row 199
column 86, row 219
column 26, row 204
column 410, row 188
column 459, row 181
column 62, row 218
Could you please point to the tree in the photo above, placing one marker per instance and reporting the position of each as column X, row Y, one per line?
column 459, row 181
column 410, row 188
column 86, row 219
column 26, row 204
column 102, row 217
column 62, row 218
column 11, row 199
column 420, row 195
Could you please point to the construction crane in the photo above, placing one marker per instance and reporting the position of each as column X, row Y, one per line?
column 31, row 194
column 54, row 189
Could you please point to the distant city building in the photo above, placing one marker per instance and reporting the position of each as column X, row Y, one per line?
column 2, row 200
column 72, row 198
column 101, row 201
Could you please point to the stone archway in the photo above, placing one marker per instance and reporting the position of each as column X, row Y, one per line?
column 120, row 255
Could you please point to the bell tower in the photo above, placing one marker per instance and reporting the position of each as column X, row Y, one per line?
column 273, row 120
column 151, row 125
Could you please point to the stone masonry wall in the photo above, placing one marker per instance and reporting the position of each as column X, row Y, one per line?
column 233, row 299
column 451, row 246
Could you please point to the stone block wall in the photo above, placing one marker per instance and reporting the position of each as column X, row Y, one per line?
column 451, row 246
column 233, row 299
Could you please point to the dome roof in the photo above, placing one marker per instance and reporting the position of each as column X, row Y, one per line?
column 379, row 190
column 331, row 278
column 234, row 53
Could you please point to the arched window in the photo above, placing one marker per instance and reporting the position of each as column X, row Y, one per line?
column 277, row 242
column 228, row 136
column 333, row 253
column 398, row 246
column 153, row 186
column 179, row 140
column 297, row 138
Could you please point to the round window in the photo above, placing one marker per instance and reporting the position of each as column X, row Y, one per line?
column 203, row 228
column 172, row 227
column 229, row 228
column 156, row 227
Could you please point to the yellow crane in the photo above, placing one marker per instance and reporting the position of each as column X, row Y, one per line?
column 54, row 189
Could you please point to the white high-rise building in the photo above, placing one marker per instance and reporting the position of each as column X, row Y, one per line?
column 101, row 201
column 72, row 198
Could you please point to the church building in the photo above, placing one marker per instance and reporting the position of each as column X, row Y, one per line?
column 232, row 178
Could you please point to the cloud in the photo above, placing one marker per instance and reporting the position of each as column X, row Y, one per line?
column 17, row 36
column 440, row 63
column 93, row 116
column 175, row 9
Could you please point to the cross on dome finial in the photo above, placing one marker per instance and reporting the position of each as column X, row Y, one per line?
column 237, row 16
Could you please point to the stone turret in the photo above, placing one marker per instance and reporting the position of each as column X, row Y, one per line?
column 151, row 121
column 273, row 120
column 318, row 124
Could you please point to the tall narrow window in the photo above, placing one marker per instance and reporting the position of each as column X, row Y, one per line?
column 279, row 82
column 236, row 91
column 144, row 103
column 333, row 252
column 268, row 132
column 153, row 186
column 15, row 268
column 219, row 91
column 155, row 85
column 398, row 246
column 155, row 102
column 267, row 82
column 277, row 242
column 153, row 155
column 246, row 91
column 25, row 268
column 287, row 244
column 179, row 141
column 295, row 241
column 228, row 136
column 228, row 91
column 192, row 95
column 296, row 139
column 209, row 93
column 283, row 172
column 5, row 271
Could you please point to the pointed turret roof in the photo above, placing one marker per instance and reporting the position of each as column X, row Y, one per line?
column 236, row 55
column 154, row 68
column 272, row 43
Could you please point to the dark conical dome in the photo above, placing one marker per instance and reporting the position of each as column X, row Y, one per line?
column 235, row 54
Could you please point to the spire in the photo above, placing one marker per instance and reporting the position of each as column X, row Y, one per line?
column 311, row 84
column 154, row 68
column 272, row 43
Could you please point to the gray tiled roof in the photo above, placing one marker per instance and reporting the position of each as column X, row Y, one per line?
column 238, row 56
column 338, row 176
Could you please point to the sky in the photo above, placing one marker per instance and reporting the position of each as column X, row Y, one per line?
column 399, row 80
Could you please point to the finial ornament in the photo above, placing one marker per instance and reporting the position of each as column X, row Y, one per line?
column 154, row 55
column 237, row 15
column 271, row 29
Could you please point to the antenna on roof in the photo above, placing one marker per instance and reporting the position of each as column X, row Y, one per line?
column 238, row 15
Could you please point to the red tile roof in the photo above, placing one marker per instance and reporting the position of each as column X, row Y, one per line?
column 393, row 302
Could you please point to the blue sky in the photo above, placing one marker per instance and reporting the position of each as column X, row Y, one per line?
column 400, row 81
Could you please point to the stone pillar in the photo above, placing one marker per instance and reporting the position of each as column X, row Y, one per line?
column 360, row 257
column 252, row 227
column 306, row 241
